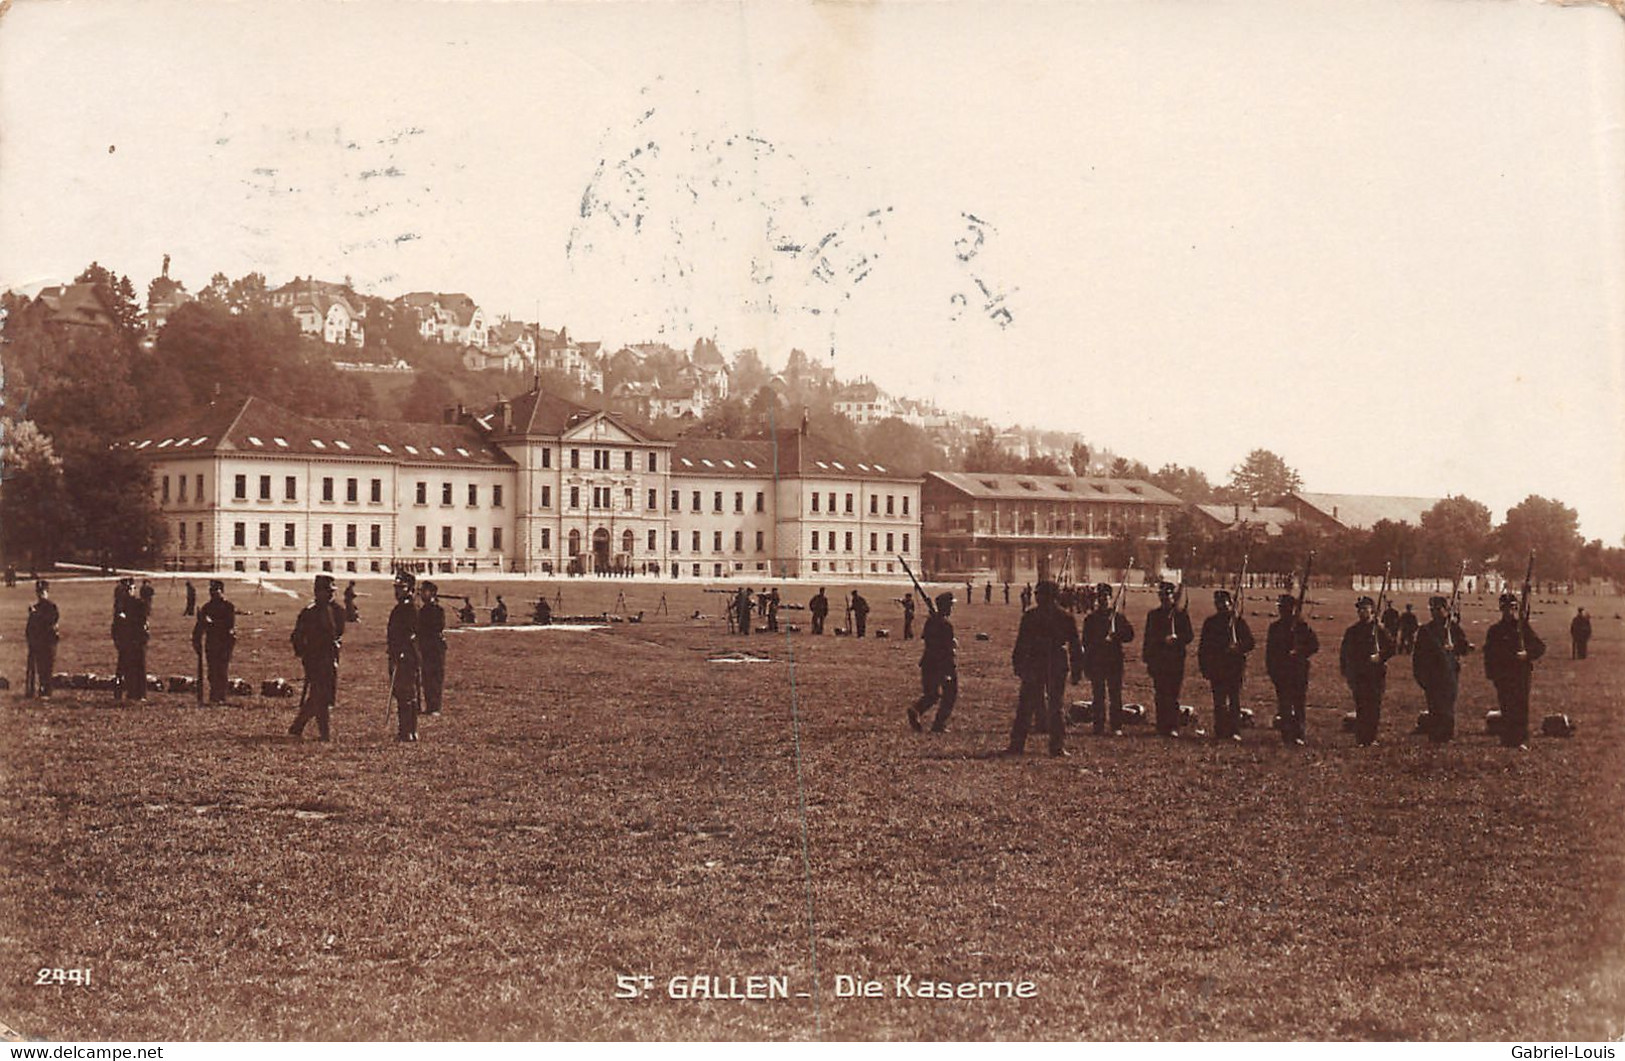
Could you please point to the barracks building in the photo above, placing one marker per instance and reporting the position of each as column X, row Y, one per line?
column 536, row 484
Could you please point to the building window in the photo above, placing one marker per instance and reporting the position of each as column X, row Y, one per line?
column 327, row 488
column 832, row 541
column 675, row 547
column 628, row 467
column 166, row 490
column 654, row 499
column 422, row 537
column 628, row 498
column 905, row 538
column 199, row 538
column 199, row 494
column 739, row 501
column 676, row 500
column 423, row 493
column 653, row 465
column 575, row 542
column 848, row 541
column 473, row 495
column 377, row 491
column 874, row 504
column 653, row 539
column 815, row 541
column 905, row 504
column 547, row 538
column 575, row 462
column 716, row 501
column 832, row 504
column 496, row 495
column 759, row 541
column 180, row 481
column 496, row 539
column 739, row 541
column 240, row 488
column 182, row 528
column 547, row 497
column 547, row 458
column 849, row 504
column 376, row 540
column 265, row 535
column 349, row 536
column 761, row 501
column 473, row 537
column 352, row 490
column 575, row 497
column 815, row 501
column 696, row 500
column 891, row 504
column 694, row 541
column 265, row 488
column 289, row 530
column 327, row 536
column 874, row 542
column 290, row 489
column 628, row 539
column 716, row 541
column 445, row 493
column 445, row 537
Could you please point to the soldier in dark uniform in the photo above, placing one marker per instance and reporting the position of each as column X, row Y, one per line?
column 818, row 608
column 41, row 634
column 1436, row 663
column 1047, row 648
column 1105, row 632
column 465, row 614
column 432, row 643
column 860, row 612
column 1288, row 645
column 318, row 633
column 1390, row 623
column 908, row 618
column 969, row 587
column 939, row 672
column 772, row 599
column 1007, row 593
column 130, row 642
column 1026, row 597
column 1408, row 625
column 1363, row 660
column 214, row 636
column 191, row 599
column 1510, row 651
column 987, row 593
column 1167, row 632
column 743, row 606
column 351, row 613
column 541, row 614
column 1580, row 633
column 499, row 613
column 401, row 641
column 1221, row 656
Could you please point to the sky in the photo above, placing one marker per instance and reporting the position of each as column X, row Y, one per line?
column 1382, row 238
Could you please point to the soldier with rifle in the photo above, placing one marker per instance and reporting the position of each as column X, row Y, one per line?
column 1167, row 632
column 432, row 644
column 1510, row 651
column 401, row 642
column 742, row 609
column 1221, row 656
column 1436, row 664
column 318, row 634
column 908, row 617
column 1288, row 646
column 860, row 613
column 939, row 669
column 41, row 634
column 1047, row 648
column 1363, row 660
column 818, row 608
column 129, row 631
column 213, row 638
column 1105, row 632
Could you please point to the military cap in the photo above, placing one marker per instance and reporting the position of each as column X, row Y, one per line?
column 1166, row 587
column 1047, row 588
column 1365, row 602
column 945, row 600
column 1287, row 598
column 1222, row 596
column 428, row 587
column 1103, row 588
column 216, row 584
column 41, row 585
column 1508, row 598
column 405, row 578
column 1437, row 601
column 324, row 582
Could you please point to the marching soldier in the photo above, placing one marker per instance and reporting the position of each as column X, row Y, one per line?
column 939, row 672
column 1287, row 647
column 1436, row 664
column 1046, row 649
column 130, row 642
column 401, row 640
column 432, row 643
column 818, row 608
column 213, row 636
column 1105, row 632
column 1167, row 632
column 1510, row 651
column 908, row 619
column 1221, row 656
column 41, row 633
column 318, row 633
column 1363, row 660
column 1580, row 633
column 860, row 612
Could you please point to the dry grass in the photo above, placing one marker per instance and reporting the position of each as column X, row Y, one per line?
column 593, row 804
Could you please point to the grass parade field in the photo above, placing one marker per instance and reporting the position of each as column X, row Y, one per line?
column 595, row 805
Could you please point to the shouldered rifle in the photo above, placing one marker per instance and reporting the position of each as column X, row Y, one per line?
column 1376, row 613
column 200, row 669
column 1235, row 605
column 930, row 605
column 1303, row 587
column 1452, row 615
column 1523, row 600
column 1122, row 587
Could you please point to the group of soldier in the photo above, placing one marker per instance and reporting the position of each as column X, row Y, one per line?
column 1050, row 647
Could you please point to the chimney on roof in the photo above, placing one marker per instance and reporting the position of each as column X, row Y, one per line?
column 803, row 421
column 1334, row 511
column 449, row 414
column 505, row 414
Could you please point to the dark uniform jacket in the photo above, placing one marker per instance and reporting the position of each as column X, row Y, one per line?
column 43, row 617
column 215, row 627
column 317, row 633
column 819, row 605
column 431, row 629
column 1354, row 656
column 1434, row 666
column 1104, row 635
column 1160, row 656
column 1047, row 645
column 1287, row 647
column 938, row 635
column 1580, row 628
column 1501, row 662
column 1221, row 658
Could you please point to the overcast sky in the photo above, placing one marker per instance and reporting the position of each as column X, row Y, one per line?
column 1383, row 239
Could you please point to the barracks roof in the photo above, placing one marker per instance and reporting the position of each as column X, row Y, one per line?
column 789, row 455
column 548, row 415
column 1004, row 487
column 1272, row 519
column 1360, row 511
column 256, row 426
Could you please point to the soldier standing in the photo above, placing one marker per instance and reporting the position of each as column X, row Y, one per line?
column 987, row 593
column 1221, row 656
column 191, row 599
column 860, row 612
column 214, row 636
column 401, row 640
column 1390, row 622
column 1287, row 647
column 1436, row 664
column 908, row 619
column 968, row 588
column 772, row 599
column 1105, row 632
column 351, row 613
column 1167, row 632
column 1363, row 660
column 1007, row 593
column 129, row 641
column 41, row 633
column 1408, row 625
column 432, row 643
column 818, row 607
column 742, row 610
column 1510, row 651
column 1580, row 633
column 1026, row 597
column 1047, row 648
column 939, row 672
column 318, row 633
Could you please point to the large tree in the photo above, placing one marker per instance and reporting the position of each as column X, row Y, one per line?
column 1549, row 528
column 1261, row 477
column 1188, row 484
column 1456, row 529
column 902, row 447
column 35, row 520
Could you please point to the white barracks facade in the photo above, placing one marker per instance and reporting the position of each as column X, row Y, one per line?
column 537, row 485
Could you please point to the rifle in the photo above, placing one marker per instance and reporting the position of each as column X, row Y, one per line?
column 1303, row 587
column 1376, row 613
column 199, row 683
column 1452, row 616
column 1122, row 587
column 930, row 605
column 1235, row 605
column 31, row 679
column 1523, row 601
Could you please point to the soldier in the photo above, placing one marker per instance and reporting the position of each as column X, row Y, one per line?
column 1390, row 621
column 499, row 613
column 1046, row 649
column 351, row 613
column 191, row 599
column 11, row 576
column 939, row 673
column 1408, row 625
column 1510, row 651
column 987, row 593
column 41, row 634
column 818, row 608
column 432, row 643
column 742, row 610
column 1026, row 596
column 1007, row 593
column 1580, row 633
column 1363, row 660
column 860, row 612
column 908, row 618
column 318, row 634
column 465, row 614
column 1436, row 664
column 401, row 640
column 213, row 637
column 1288, row 645
column 130, row 642
column 772, row 599
column 969, row 586
column 1167, row 632
column 1221, row 656
column 1105, row 632
column 541, row 614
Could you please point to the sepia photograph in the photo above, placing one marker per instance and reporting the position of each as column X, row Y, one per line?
column 1098, row 520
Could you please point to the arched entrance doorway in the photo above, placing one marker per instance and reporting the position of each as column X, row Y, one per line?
column 600, row 550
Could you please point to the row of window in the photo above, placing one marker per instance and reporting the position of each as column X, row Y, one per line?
column 874, row 542
column 603, row 460
column 290, row 536
column 352, row 490
column 874, row 503
column 181, row 481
